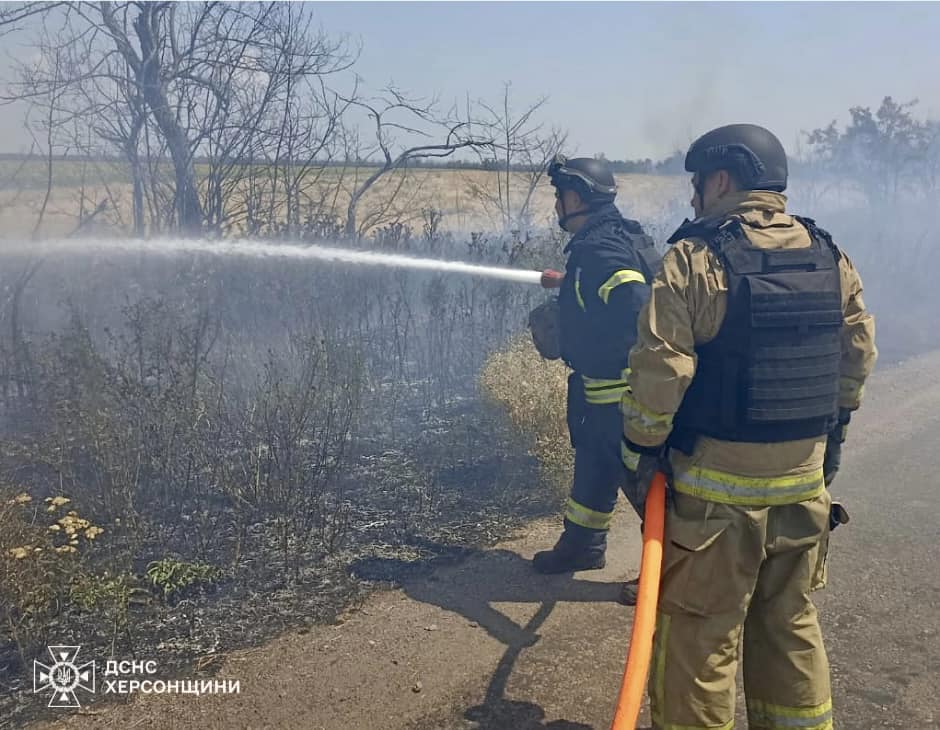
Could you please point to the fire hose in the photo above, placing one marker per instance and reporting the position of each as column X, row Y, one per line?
column 644, row 618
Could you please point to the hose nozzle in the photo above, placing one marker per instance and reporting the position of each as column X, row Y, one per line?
column 551, row 279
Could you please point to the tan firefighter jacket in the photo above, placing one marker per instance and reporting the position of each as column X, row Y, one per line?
column 686, row 308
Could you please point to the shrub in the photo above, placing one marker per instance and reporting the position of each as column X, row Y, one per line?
column 173, row 578
column 532, row 391
column 41, row 551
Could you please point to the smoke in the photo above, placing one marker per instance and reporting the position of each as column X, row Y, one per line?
column 874, row 186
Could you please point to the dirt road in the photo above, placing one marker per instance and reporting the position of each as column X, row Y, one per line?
column 488, row 644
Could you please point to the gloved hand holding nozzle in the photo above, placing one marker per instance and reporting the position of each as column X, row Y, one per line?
column 552, row 279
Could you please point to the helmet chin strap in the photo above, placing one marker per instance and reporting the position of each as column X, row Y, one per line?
column 566, row 216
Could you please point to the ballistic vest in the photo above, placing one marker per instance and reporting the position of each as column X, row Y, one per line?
column 772, row 372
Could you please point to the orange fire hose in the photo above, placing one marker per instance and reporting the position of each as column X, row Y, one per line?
column 644, row 619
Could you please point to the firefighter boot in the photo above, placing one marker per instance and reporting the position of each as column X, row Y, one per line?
column 629, row 592
column 571, row 554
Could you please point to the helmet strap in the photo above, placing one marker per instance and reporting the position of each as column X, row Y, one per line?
column 586, row 209
column 574, row 214
column 566, row 216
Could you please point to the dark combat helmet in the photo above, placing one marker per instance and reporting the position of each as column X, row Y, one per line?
column 751, row 153
column 591, row 179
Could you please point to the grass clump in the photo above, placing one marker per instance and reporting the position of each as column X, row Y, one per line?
column 532, row 392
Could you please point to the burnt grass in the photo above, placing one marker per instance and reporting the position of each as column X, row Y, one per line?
column 172, row 361
column 410, row 506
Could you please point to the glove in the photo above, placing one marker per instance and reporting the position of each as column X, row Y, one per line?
column 545, row 323
column 551, row 279
column 838, row 515
column 833, row 458
column 642, row 463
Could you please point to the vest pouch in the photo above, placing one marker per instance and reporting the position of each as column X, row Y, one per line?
column 793, row 373
column 797, row 302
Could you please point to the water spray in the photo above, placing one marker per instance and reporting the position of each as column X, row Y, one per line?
column 548, row 279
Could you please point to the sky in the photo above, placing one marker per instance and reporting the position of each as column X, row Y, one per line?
column 635, row 80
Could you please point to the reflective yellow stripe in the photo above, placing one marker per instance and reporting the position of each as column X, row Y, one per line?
column 719, row 486
column 630, row 403
column 605, row 398
column 577, row 289
column 602, row 391
column 600, row 383
column 639, row 418
column 605, row 391
column 766, row 716
column 630, row 458
column 585, row 517
column 624, row 276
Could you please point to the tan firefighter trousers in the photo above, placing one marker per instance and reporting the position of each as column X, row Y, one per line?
column 728, row 569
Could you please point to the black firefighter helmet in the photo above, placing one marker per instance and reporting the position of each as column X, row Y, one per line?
column 591, row 179
column 751, row 153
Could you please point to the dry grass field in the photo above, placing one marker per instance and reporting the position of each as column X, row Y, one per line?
column 407, row 197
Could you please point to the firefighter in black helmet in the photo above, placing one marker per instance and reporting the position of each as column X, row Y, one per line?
column 592, row 326
column 752, row 154
column 750, row 357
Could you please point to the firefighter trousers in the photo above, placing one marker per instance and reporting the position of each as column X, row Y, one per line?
column 730, row 570
column 599, row 474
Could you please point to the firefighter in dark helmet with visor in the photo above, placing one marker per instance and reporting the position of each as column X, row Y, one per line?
column 592, row 326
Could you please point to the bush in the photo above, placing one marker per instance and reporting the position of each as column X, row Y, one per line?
column 174, row 578
column 42, row 551
column 532, row 391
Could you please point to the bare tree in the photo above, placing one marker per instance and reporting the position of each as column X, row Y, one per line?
column 102, row 31
column 189, row 81
column 50, row 106
column 105, row 104
column 521, row 151
column 155, row 30
column 285, row 118
column 394, row 115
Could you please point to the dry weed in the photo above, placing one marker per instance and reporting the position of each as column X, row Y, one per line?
column 532, row 392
